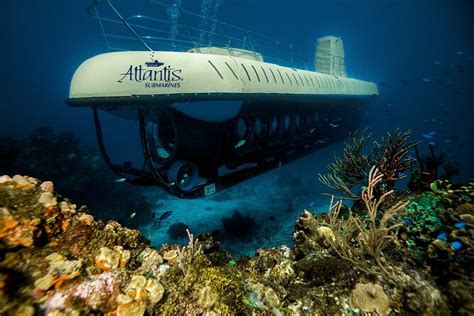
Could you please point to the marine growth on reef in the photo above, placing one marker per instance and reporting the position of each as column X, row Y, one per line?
column 398, row 255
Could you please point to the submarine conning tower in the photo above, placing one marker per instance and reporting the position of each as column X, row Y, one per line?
column 329, row 57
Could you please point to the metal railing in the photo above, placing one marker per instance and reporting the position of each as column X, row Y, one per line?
column 175, row 29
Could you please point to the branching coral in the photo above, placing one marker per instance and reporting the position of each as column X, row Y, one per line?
column 373, row 237
column 187, row 256
column 390, row 156
column 346, row 172
column 378, row 235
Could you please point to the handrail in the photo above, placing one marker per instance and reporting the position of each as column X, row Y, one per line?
column 148, row 25
column 128, row 26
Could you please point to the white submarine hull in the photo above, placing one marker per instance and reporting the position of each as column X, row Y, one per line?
column 118, row 79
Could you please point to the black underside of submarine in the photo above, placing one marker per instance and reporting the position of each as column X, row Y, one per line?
column 192, row 158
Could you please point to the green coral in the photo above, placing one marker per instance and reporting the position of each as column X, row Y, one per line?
column 424, row 210
column 424, row 213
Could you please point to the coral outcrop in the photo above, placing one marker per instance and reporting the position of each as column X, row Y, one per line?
column 55, row 259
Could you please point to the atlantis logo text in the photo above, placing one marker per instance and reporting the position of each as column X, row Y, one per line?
column 160, row 77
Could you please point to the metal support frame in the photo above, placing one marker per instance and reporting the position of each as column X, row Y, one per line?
column 132, row 175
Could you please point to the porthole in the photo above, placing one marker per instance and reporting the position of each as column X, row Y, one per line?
column 241, row 128
column 260, row 128
column 287, row 122
column 274, row 125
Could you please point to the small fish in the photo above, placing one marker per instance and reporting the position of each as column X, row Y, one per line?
column 429, row 135
column 453, row 137
column 442, row 235
column 311, row 204
column 333, row 125
column 404, row 81
column 456, row 245
column 437, row 62
column 120, row 180
column 383, row 84
column 157, row 223
column 312, row 130
column 432, row 144
column 164, row 216
column 240, row 143
column 132, row 215
column 460, row 225
column 460, row 52
column 407, row 220
column 426, row 80
column 153, row 215
column 271, row 218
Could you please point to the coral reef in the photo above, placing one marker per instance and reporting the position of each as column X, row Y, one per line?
column 56, row 259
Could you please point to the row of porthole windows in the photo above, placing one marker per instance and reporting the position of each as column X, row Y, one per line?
column 277, row 125
column 298, row 79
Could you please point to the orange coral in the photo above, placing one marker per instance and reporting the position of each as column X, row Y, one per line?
column 15, row 232
column 65, row 224
column 59, row 281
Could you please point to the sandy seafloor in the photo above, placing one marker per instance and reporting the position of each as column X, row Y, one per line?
column 281, row 194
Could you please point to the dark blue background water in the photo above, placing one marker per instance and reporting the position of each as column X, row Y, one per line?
column 385, row 41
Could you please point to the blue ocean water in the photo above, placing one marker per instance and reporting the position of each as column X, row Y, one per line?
column 420, row 53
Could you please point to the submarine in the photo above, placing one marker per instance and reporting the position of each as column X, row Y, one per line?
column 213, row 116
